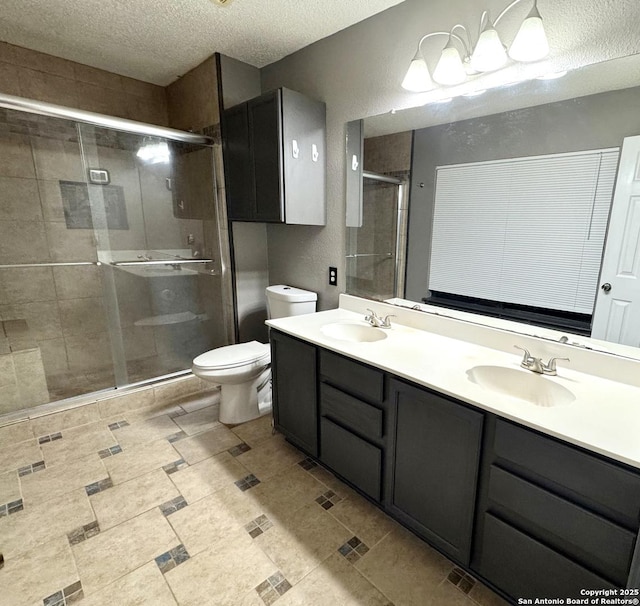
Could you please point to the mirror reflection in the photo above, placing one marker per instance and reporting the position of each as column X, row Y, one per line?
column 523, row 206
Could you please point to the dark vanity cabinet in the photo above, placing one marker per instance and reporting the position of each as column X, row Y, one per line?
column 553, row 519
column 436, row 457
column 530, row 515
column 275, row 164
column 293, row 375
column 352, row 421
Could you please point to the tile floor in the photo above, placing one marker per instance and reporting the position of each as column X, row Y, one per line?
column 178, row 509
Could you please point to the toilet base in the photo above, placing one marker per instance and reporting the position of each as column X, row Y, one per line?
column 242, row 403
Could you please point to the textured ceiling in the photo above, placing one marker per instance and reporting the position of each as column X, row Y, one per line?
column 159, row 40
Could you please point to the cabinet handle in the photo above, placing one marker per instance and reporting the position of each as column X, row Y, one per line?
column 295, row 150
column 314, row 152
column 354, row 162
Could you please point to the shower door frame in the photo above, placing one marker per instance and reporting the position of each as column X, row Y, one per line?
column 401, row 229
column 80, row 117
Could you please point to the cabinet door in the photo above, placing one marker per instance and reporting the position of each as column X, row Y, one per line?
column 304, row 158
column 295, row 405
column 265, row 126
column 238, row 164
column 435, row 466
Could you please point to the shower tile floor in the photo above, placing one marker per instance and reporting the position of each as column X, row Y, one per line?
column 178, row 509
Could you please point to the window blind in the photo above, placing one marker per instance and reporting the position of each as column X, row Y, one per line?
column 528, row 231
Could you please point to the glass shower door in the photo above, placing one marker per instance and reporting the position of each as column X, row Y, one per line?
column 111, row 268
column 153, row 209
column 52, row 311
column 376, row 250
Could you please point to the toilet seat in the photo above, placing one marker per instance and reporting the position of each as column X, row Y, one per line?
column 233, row 356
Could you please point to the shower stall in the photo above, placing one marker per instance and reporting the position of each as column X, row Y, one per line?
column 376, row 250
column 112, row 260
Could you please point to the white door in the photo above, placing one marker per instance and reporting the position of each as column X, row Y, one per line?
column 617, row 312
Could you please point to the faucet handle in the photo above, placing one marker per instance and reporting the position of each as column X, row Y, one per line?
column 373, row 318
column 550, row 367
column 527, row 356
column 386, row 323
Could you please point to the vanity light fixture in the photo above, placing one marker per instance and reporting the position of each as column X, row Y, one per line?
column 460, row 58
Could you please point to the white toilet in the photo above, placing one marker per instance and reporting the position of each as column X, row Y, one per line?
column 243, row 370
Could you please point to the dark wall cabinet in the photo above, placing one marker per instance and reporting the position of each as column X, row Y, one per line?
column 529, row 514
column 275, row 163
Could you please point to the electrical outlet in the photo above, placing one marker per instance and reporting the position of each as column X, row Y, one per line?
column 333, row 276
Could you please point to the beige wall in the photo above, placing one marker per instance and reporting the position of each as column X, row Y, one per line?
column 27, row 73
column 193, row 98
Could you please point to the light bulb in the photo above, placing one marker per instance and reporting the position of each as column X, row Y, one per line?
column 418, row 79
column 450, row 70
column 530, row 43
column 489, row 53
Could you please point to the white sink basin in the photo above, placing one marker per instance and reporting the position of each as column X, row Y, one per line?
column 353, row 332
column 521, row 384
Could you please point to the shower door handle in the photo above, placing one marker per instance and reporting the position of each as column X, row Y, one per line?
column 160, row 262
column 60, row 264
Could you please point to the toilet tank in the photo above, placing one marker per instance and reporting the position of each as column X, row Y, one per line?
column 284, row 301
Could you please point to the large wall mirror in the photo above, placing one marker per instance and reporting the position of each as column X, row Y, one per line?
column 522, row 203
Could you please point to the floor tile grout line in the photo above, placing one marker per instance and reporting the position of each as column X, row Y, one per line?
column 129, row 571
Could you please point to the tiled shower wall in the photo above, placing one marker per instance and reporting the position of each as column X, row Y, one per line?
column 27, row 73
column 64, row 306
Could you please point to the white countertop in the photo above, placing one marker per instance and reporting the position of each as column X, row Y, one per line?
column 603, row 418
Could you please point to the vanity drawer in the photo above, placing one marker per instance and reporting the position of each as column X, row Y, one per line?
column 353, row 377
column 351, row 457
column 351, row 412
column 525, row 568
column 584, row 536
column 604, row 487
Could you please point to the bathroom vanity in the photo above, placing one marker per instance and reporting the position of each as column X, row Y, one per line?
column 538, row 496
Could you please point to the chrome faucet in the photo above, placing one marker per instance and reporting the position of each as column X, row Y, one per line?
column 375, row 320
column 537, row 365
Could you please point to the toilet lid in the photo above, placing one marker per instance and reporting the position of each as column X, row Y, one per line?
column 232, row 355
